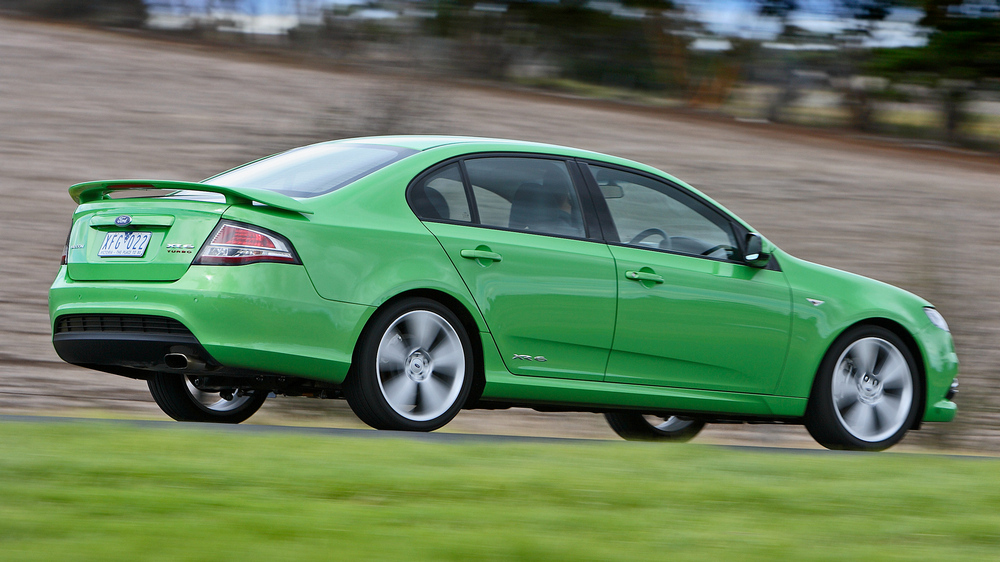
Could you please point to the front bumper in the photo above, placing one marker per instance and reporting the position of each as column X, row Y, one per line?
column 260, row 317
column 941, row 370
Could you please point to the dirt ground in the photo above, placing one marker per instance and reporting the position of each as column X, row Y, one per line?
column 80, row 104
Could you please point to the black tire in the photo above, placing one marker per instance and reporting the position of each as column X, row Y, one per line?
column 635, row 426
column 864, row 404
column 413, row 368
column 177, row 396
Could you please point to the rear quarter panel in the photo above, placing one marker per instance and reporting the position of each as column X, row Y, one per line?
column 363, row 244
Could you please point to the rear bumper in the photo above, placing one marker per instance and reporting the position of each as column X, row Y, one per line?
column 131, row 355
column 258, row 318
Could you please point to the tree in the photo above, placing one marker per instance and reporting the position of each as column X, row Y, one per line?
column 778, row 9
column 962, row 51
column 780, row 63
column 863, row 16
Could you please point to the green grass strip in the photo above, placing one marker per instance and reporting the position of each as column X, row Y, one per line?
column 96, row 491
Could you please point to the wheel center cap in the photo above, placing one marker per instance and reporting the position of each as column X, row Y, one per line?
column 869, row 389
column 419, row 366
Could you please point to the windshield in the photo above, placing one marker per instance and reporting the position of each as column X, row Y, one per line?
column 312, row 170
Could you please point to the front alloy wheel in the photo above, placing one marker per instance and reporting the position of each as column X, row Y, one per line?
column 865, row 393
column 414, row 368
column 179, row 397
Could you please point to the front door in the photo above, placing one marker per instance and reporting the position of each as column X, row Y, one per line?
column 691, row 314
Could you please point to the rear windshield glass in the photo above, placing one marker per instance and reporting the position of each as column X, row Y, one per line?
column 312, row 170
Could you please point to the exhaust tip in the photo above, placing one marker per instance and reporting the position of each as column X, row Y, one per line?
column 176, row 360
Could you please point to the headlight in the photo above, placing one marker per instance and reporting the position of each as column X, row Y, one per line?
column 936, row 318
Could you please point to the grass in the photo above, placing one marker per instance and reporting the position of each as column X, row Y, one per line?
column 96, row 491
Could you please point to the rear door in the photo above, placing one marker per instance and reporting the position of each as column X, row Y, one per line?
column 520, row 234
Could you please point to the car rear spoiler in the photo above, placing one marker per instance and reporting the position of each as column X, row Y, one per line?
column 98, row 190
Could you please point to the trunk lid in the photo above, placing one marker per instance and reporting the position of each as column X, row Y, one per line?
column 150, row 238
column 164, row 239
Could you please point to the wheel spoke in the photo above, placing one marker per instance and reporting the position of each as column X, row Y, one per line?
column 392, row 356
column 441, row 338
column 845, row 400
column 896, row 392
column 888, row 408
column 400, row 390
column 842, row 384
column 213, row 401
column 422, row 330
column 451, row 361
column 671, row 424
column 877, row 421
column 864, row 353
column 433, row 394
column 861, row 420
column 442, row 343
column 894, row 372
column 445, row 378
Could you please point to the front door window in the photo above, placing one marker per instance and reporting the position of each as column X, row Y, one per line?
column 652, row 214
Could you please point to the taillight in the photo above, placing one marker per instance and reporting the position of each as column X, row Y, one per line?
column 65, row 255
column 233, row 243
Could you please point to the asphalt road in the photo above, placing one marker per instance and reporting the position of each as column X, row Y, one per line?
column 437, row 437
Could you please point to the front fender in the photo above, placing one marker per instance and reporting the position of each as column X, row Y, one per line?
column 828, row 301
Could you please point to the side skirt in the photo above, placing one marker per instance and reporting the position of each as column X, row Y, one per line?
column 503, row 387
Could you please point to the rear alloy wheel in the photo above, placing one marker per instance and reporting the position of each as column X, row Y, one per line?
column 634, row 426
column 180, row 399
column 865, row 394
column 413, row 370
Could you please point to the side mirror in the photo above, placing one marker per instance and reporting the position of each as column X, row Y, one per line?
column 755, row 256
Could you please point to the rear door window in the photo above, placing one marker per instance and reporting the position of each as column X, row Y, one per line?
column 526, row 194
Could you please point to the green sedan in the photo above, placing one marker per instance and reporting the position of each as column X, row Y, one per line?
column 415, row 276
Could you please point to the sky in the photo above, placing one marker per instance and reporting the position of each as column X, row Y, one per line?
column 728, row 18
column 737, row 18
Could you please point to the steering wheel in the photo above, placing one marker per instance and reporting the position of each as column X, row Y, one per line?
column 716, row 248
column 646, row 234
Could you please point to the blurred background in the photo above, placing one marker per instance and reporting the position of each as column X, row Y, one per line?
column 862, row 134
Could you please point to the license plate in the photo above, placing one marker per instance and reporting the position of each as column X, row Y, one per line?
column 124, row 244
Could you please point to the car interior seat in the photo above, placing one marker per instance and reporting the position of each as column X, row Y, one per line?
column 432, row 205
column 537, row 208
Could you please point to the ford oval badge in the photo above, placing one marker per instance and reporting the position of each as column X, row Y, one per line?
column 123, row 220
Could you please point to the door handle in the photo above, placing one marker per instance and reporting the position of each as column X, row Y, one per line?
column 481, row 255
column 644, row 276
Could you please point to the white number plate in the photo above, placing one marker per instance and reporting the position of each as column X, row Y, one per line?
column 124, row 244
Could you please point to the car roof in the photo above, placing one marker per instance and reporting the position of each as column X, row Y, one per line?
column 427, row 142
column 484, row 144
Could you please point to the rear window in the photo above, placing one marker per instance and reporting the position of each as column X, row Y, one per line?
column 312, row 170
